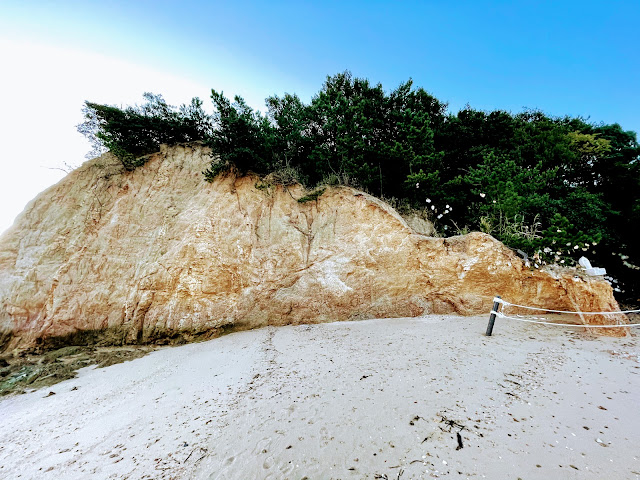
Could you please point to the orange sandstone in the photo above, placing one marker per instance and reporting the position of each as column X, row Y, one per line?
column 159, row 253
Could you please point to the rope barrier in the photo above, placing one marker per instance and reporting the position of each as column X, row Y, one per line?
column 521, row 319
column 498, row 302
column 505, row 303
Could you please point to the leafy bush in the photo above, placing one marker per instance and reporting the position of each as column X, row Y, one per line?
column 312, row 197
column 134, row 132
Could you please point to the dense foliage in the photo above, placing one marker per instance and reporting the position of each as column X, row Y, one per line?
column 134, row 132
column 554, row 188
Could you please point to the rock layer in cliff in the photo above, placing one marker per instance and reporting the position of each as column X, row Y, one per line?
column 158, row 253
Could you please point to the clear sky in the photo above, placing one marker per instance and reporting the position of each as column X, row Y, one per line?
column 563, row 57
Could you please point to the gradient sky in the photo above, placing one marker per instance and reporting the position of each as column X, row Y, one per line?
column 563, row 57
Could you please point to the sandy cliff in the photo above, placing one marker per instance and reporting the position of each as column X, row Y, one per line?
column 160, row 253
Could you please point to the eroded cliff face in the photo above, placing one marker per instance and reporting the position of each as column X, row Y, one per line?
column 160, row 253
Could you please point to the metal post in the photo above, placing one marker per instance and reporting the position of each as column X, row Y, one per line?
column 492, row 317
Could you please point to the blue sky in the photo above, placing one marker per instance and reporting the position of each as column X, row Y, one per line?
column 563, row 57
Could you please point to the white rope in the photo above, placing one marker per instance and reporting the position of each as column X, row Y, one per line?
column 521, row 319
column 505, row 303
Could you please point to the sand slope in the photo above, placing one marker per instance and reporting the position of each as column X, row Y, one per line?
column 354, row 400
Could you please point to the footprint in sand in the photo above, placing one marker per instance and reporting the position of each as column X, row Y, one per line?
column 285, row 469
column 263, row 446
column 268, row 462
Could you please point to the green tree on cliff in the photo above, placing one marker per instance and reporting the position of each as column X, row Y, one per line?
column 134, row 132
column 558, row 187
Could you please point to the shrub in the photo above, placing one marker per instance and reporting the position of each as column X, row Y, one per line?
column 312, row 197
column 134, row 132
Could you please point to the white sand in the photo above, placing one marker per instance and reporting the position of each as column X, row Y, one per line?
column 343, row 401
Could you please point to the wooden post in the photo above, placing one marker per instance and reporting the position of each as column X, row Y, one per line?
column 492, row 317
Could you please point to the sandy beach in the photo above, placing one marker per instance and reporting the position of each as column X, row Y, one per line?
column 428, row 397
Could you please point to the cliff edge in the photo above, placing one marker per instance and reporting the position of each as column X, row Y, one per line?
column 159, row 253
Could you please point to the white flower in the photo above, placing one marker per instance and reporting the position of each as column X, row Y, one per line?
column 439, row 216
column 559, row 231
column 576, row 247
column 418, row 185
column 447, row 206
column 482, row 195
column 561, row 261
column 433, row 207
column 547, row 249
column 494, row 201
column 428, row 200
column 569, row 244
